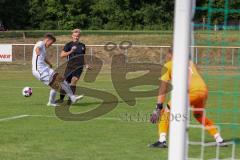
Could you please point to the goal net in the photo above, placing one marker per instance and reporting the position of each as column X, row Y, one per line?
column 216, row 52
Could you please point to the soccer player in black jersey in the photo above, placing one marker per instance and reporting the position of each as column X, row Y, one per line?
column 74, row 51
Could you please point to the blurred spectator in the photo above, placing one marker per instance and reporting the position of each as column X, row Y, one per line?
column 2, row 28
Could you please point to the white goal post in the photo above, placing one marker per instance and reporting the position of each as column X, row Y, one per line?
column 181, row 51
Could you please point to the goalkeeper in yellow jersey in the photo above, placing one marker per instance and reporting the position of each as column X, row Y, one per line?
column 197, row 92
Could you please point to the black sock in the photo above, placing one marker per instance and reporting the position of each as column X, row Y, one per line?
column 62, row 94
column 73, row 89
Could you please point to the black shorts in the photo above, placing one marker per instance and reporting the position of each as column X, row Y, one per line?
column 77, row 73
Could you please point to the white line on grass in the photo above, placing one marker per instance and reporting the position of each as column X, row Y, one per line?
column 13, row 117
column 99, row 118
column 225, row 123
column 39, row 115
column 237, row 124
column 48, row 116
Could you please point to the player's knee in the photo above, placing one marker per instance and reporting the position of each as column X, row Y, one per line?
column 74, row 80
column 56, row 80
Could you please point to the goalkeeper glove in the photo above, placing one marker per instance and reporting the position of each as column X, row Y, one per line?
column 156, row 113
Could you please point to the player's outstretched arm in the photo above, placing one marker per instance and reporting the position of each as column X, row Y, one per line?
column 65, row 54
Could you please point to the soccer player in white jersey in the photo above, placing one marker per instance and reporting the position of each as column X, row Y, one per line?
column 42, row 70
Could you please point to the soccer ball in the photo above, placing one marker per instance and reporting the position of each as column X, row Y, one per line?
column 27, row 91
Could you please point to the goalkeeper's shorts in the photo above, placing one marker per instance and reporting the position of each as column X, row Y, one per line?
column 197, row 99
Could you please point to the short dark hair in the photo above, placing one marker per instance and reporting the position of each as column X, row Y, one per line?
column 50, row 36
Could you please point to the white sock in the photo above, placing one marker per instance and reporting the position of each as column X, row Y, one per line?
column 218, row 138
column 52, row 95
column 66, row 87
column 163, row 137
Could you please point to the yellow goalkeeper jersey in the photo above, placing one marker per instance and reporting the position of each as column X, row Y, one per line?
column 196, row 82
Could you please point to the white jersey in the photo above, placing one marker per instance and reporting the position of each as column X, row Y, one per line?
column 39, row 67
column 38, row 61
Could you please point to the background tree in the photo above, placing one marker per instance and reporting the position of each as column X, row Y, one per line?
column 108, row 14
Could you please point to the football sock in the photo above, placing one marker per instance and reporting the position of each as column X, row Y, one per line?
column 73, row 89
column 163, row 124
column 62, row 94
column 162, row 137
column 209, row 125
column 66, row 87
column 52, row 95
column 218, row 138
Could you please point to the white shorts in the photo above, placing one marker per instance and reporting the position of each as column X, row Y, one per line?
column 44, row 76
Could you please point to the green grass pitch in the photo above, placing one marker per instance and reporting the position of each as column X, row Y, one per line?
column 41, row 135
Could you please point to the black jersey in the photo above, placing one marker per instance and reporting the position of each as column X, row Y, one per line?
column 77, row 57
